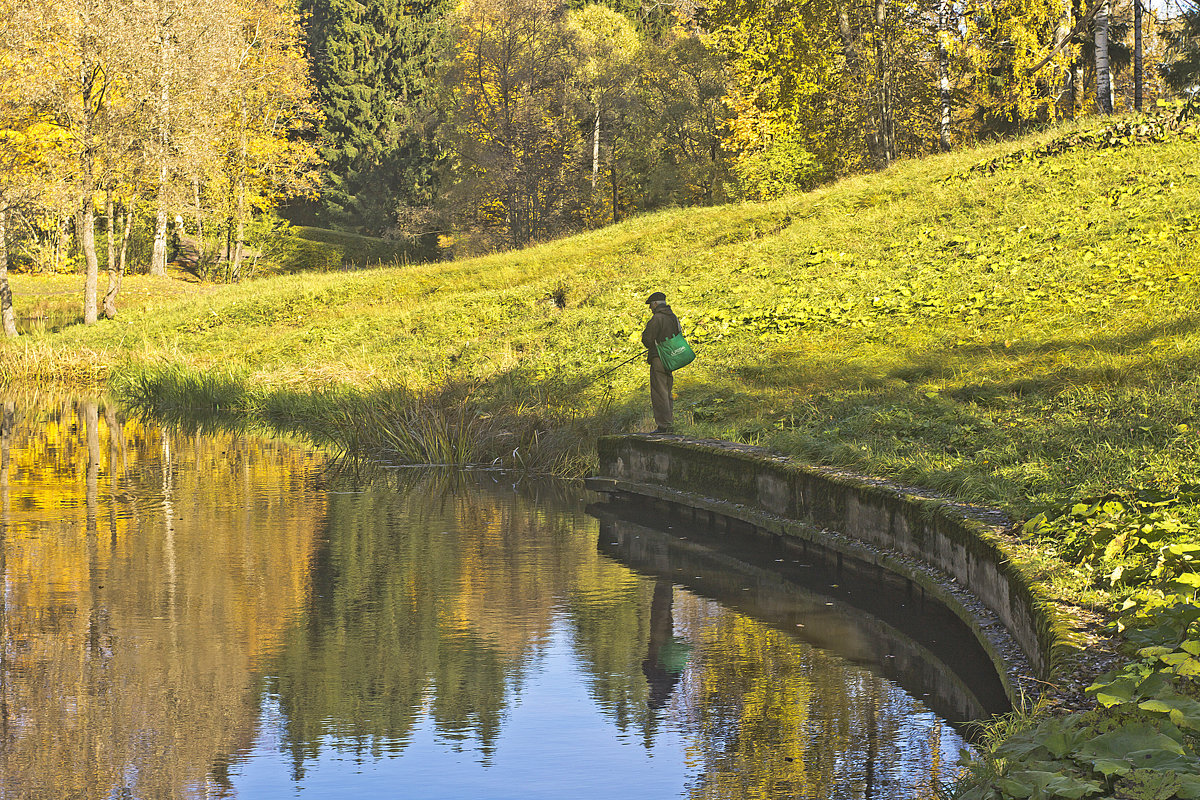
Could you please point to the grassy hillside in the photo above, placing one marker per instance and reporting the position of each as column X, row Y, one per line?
column 1016, row 337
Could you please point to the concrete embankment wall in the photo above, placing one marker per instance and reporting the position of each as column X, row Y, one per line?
column 901, row 529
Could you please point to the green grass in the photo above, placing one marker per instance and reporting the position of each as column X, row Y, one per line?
column 1017, row 338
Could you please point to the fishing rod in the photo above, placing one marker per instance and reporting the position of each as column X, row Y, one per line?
column 640, row 354
column 608, row 372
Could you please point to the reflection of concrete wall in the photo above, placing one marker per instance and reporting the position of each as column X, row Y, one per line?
column 967, row 691
column 899, row 529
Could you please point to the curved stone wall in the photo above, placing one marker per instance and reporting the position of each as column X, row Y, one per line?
column 943, row 546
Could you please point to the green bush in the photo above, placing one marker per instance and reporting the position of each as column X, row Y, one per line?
column 293, row 254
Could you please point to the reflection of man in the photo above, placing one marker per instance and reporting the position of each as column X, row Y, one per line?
column 667, row 655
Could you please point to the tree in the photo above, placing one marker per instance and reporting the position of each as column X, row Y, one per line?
column 945, row 20
column 1182, row 70
column 1104, row 86
column 27, row 144
column 19, row 148
column 1015, row 48
column 261, row 155
column 1137, row 55
column 183, row 79
column 782, row 57
column 515, row 135
column 606, row 44
column 373, row 66
column 673, row 148
column 71, row 50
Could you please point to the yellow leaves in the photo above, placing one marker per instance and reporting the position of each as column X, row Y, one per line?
column 27, row 144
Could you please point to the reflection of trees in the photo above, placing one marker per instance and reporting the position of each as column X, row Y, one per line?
column 438, row 597
column 150, row 577
column 610, row 627
column 775, row 717
column 106, row 683
column 405, row 608
column 7, row 421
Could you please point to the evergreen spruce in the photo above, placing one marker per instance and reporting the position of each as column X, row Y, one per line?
column 373, row 65
column 1182, row 69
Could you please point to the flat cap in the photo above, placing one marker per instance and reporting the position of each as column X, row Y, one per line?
column 656, row 296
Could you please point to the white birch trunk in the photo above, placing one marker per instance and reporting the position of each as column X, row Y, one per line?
column 87, row 239
column 944, row 74
column 1137, row 55
column 6, row 306
column 596, row 148
column 158, row 256
column 1104, row 96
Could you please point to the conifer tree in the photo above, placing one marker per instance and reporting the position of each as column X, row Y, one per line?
column 1182, row 69
column 372, row 65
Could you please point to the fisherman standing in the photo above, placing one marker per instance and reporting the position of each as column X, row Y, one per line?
column 663, row 325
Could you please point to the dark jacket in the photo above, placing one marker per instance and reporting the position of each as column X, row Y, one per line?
column 663, row 325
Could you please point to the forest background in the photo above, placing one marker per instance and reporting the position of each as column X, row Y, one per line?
column 135, row 132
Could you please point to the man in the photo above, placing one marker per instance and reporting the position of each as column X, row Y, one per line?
column 663, row 325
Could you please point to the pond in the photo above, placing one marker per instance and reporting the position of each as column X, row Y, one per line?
column 209, row 614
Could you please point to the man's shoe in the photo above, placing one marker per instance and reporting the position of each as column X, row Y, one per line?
column 661, row 430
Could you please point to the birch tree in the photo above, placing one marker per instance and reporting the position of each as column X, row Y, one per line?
column 269, row 100
column 71, row 46
column 607, row 45
column 515, row 130
column 1104, row 86
column 186, row 73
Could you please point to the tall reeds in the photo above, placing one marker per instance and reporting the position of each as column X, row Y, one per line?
column 449, row 424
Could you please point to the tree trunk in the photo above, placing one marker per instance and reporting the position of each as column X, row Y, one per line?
column 847, row 35
column 884, row 88
column 158, row 257
column 6, row 306
column 1104, row 97
column 110, row 296
column 596, row 147
column 1137, row 55
column 121, row 264
column 87, row 241
column 612, row 161
column 201, row 244
column 235, row 267
column 7, row 415
column 199, row 216
column 944, row 74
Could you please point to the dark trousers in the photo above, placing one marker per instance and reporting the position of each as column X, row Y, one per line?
column 661, row 384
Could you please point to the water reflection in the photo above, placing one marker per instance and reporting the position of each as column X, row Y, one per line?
column 211, row 615
column 859, row 611
column 145, row 574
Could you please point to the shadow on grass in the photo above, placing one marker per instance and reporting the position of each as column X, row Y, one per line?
column 1039, row 429
column 1073, row 363
column 1024, row 426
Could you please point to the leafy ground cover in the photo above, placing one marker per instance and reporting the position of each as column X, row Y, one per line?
column 1015, row 325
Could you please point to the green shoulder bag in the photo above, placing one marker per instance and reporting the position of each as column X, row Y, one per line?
column 675, row 352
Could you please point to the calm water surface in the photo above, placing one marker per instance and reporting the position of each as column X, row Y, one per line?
column 214, row 615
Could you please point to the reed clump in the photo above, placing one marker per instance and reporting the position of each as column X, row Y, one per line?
column 453, row 423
